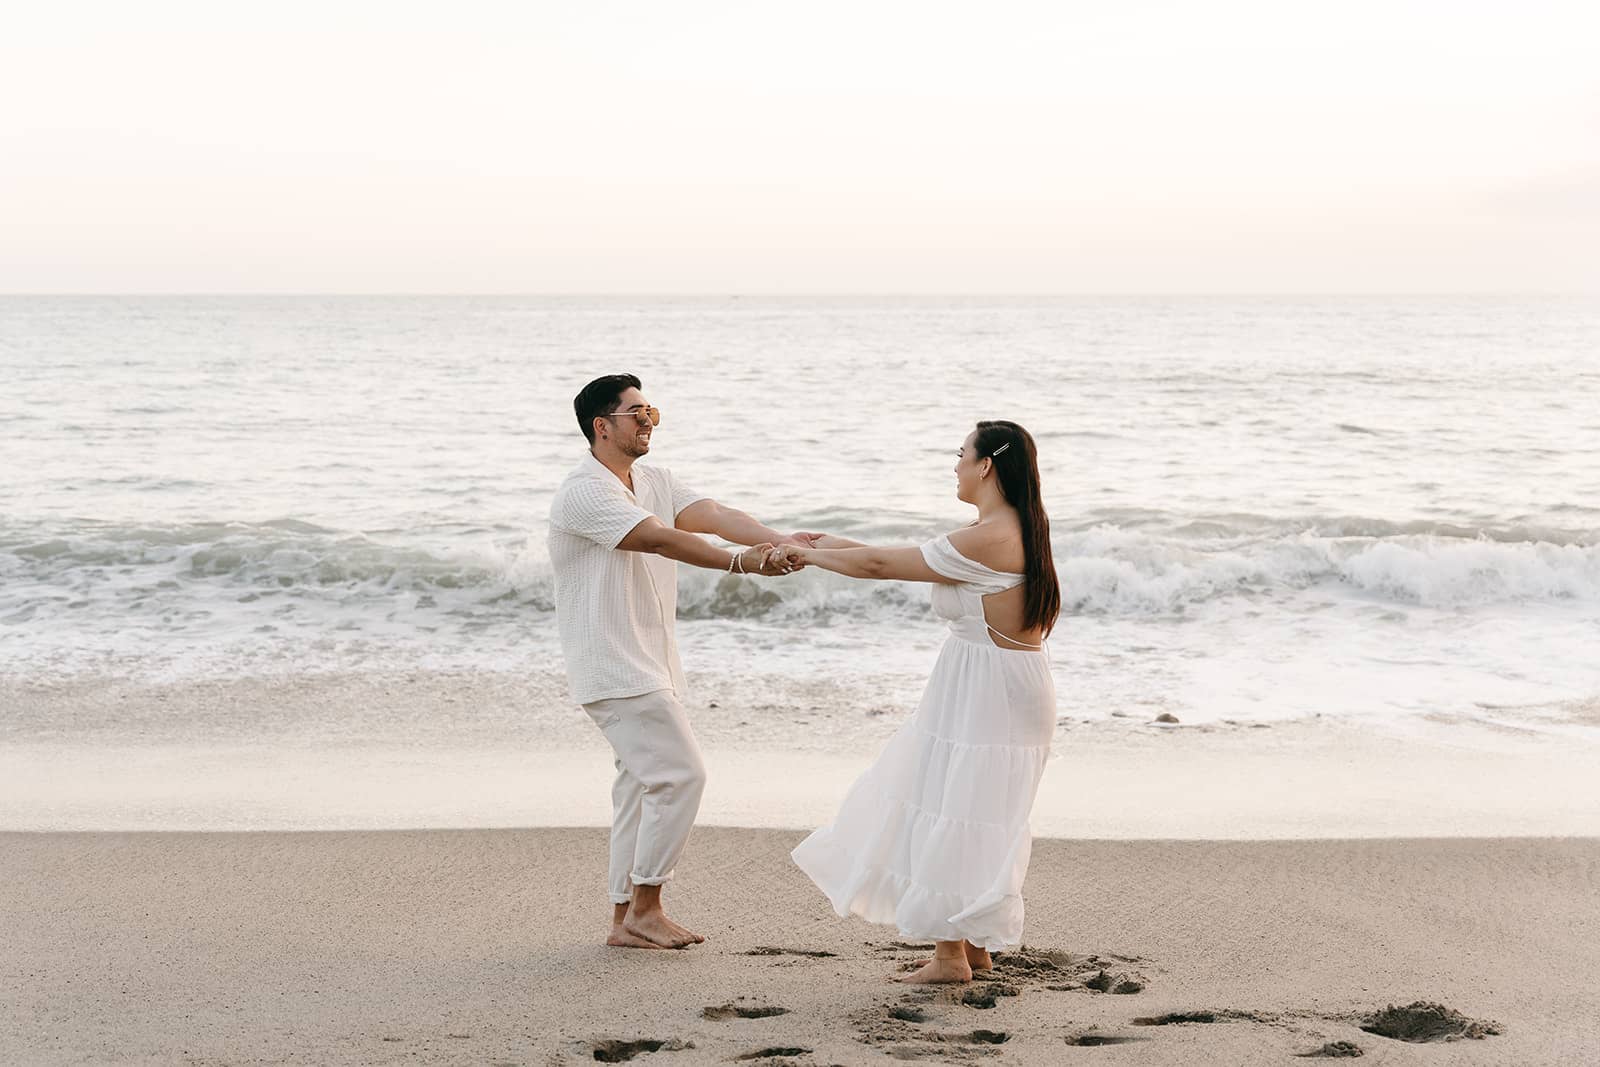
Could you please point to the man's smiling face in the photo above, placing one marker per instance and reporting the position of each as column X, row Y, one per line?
column 630, row 433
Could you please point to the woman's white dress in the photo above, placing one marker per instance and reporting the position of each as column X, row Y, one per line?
column 934, row 837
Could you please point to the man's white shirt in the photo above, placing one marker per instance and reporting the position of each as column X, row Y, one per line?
column 615, row 609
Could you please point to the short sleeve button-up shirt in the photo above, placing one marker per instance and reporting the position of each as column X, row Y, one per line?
column 615, row 610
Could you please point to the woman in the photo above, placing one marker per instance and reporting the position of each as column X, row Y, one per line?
column 934, row 837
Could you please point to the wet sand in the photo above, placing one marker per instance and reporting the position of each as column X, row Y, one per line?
column 483, row 947
column 441, row 750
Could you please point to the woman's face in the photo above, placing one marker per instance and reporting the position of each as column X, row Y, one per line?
column 968, row 470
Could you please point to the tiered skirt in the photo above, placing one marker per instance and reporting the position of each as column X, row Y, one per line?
column 933, row 839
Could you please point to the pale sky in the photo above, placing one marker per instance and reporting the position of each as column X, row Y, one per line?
column 750, row 147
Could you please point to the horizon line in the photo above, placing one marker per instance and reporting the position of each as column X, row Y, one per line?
column 816, row 294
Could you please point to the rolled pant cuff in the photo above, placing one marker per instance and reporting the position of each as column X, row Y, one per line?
column 661, row 879
column 621, row 898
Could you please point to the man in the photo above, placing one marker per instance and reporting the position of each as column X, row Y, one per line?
column 616, row 528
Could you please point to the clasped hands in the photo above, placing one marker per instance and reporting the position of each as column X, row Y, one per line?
column 785, row 557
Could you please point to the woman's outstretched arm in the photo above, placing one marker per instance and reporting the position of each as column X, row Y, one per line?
column 834, row 541
column 868, row 561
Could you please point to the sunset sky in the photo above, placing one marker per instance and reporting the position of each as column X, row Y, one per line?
column 830, row 147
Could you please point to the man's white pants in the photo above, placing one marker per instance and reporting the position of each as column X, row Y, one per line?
column 660, row 776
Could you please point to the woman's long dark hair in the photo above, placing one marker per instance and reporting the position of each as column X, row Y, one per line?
column 1017, row 467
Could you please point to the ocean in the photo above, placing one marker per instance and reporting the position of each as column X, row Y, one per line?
column 1377, row 511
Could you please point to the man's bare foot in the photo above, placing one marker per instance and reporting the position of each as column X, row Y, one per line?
column 620, row 938
column 940, row 969
column 655, row 927
column 685, row 931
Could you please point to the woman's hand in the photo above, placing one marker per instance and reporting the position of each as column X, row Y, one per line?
column 791, row 557
column 768, row 560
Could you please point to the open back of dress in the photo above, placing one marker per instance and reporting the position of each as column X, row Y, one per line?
column 962, row 604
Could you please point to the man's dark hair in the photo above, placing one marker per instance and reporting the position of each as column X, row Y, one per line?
column 600, row 397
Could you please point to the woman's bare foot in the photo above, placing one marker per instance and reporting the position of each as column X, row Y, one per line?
column 654, row 926
column 977, row 958
column 940, row 969
column 620, row 938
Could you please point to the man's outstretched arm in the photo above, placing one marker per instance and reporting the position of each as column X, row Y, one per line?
column 731, row 524
column 654, row 536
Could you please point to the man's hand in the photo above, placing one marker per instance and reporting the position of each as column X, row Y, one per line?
column 768, row 560
column 802, row 539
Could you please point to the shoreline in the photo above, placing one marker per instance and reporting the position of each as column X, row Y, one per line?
column 480, row 946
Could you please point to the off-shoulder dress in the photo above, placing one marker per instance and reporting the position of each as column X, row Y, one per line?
column 933, row 838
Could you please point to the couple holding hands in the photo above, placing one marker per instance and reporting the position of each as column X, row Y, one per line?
column 933, row 839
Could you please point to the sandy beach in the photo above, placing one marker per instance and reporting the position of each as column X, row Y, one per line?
column 484, row 947
column 385, row 385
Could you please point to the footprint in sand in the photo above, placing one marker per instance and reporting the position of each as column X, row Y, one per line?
column 774, row 1053
column 988, row 994
column 896, row 1028
column 1333, row 1050
column 947, row 1045
column 988, row 1037
column 773, row 950
column 1425, row 1021
column 1034, row 961
column 1063, row 972
column 1119, row 984
column 611, row 1050
column 1420, row 1022
column 1178, row 1018
column 979, row 994
column 743, row 1011
column 1093, row 1040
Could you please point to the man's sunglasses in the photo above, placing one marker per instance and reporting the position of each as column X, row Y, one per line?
column 641, row 415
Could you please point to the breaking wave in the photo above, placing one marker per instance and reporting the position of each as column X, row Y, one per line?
column 173, row 575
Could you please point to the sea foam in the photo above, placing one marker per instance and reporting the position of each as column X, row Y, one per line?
column 175, row 576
